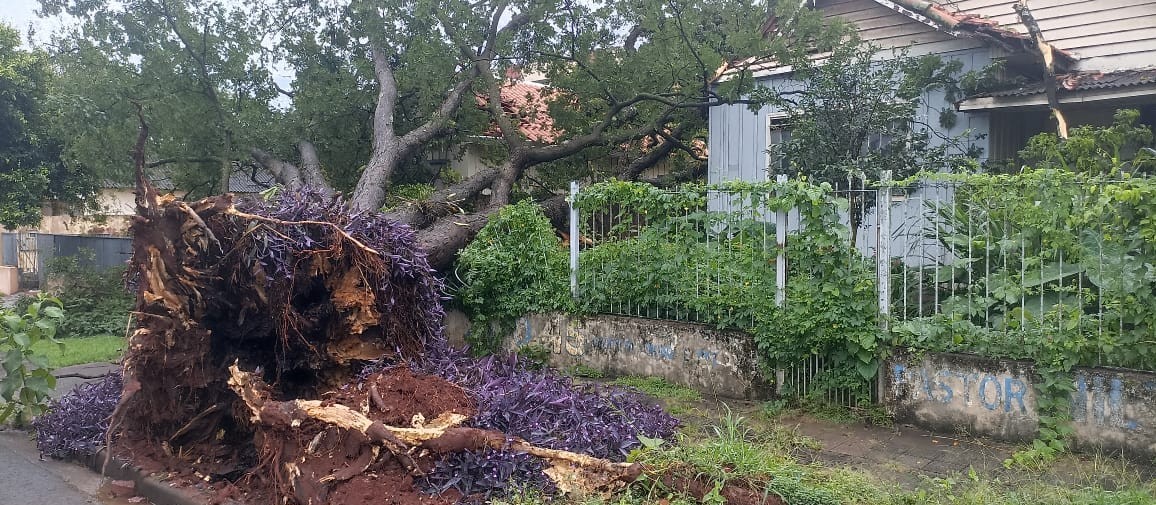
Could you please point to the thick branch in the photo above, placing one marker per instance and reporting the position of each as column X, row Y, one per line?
column 311, row 168
column 1047, row 54
column 287, row 174
column 443, row 202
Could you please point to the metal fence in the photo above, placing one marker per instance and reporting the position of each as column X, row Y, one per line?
column 32, row 252
column 728, row 254
column 1029, row 262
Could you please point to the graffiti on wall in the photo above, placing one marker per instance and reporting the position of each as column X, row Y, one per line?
column 1105, row 399
column 965, row 388
column 576, row 341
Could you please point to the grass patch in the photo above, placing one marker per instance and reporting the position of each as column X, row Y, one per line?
column 81, row 350
column 659, row 388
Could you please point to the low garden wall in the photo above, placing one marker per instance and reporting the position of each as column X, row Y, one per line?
column 721, row 363
column 1111, row 409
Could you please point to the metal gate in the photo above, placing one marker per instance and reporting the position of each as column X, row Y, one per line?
column 28, row 260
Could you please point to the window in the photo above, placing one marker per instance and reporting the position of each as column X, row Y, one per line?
column 778, row 135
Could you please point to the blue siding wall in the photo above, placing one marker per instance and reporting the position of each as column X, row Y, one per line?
column 738, row 136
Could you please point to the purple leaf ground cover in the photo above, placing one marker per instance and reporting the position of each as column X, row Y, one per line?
column 546, row 409
column 75, row 425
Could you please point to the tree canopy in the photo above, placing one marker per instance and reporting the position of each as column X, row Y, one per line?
column 31, row 169
column 375, row 84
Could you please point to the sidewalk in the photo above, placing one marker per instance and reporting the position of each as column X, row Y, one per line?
column 27, row 480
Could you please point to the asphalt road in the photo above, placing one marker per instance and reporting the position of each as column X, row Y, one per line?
column 26, row 480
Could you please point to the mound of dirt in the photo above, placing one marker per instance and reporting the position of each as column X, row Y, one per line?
column 397, row 397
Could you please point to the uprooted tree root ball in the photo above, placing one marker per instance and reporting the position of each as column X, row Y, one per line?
column 255, row 325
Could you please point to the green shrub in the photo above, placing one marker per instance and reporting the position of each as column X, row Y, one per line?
column 28, row 380
column 96, row 300
column 516, row 265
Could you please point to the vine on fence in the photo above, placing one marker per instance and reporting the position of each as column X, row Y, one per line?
column 718, row 268
column 668, row 250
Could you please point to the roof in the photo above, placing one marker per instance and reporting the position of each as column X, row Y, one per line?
column 1104, row 35
column 1084, row 81
column 964, row 24
column 244, row 179
column 529, row 103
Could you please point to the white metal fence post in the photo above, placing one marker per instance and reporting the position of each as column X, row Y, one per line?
column 780, row 273
column 781, row 243
column 883, row 264
column 574, row 240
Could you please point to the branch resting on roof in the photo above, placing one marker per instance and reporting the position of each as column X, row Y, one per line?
column 1047, row 53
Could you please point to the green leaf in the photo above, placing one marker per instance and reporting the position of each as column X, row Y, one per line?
column 867, row 370
column 53, row 312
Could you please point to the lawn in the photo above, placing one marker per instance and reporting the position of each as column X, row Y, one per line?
column 81, row 350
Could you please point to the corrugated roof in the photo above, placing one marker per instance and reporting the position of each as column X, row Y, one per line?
column 1083, row 81
column 244, row 179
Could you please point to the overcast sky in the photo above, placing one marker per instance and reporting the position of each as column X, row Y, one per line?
column 21, row 13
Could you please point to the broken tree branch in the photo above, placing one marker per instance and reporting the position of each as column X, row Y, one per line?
column 1047, row 54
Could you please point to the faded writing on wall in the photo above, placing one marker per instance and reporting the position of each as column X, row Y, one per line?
column 575, row 341
column 1097, row 399
column 1100, row 400
column 965, row 388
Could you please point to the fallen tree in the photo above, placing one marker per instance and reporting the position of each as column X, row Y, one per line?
column 256, row 322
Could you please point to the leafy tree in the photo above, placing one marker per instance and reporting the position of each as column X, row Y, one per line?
column 1123, row 147
column 376, row 83
column 196, row 67
column 856, row 113
column 31, row 170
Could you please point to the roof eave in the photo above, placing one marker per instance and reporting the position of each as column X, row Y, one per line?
column 1037, row 100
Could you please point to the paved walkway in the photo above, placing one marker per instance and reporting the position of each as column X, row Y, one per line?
column 26, row 480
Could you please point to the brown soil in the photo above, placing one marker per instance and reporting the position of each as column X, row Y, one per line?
column 734, row 492
column 391, row 485
column 403, row 395
column 333, row 452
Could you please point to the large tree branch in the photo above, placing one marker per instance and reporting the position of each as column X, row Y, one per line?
column 445, row 201
column 311, row 173
column 1047, row 55
column 386, row 95
column 287, row 174
column 441, row 117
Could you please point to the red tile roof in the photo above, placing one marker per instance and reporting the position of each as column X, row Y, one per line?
column 528, row 103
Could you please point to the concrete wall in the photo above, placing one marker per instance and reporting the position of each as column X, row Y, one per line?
column 1112, row 409
column 963, row 393
column 721, row 363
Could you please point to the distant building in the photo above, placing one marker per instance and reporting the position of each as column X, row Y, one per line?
column 1107, row 61
column 117, row 203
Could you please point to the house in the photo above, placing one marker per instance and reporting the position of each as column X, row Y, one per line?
column 116, row 201
column 524, row 98
column 1106, row 60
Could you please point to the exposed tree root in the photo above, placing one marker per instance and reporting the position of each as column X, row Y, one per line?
column 572, row 472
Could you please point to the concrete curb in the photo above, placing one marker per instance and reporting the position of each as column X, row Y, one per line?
column 155, row 491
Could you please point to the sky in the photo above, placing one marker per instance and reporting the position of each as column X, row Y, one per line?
column 20, row 13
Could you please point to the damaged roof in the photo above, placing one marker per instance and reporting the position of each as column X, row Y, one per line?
column 1083, row 81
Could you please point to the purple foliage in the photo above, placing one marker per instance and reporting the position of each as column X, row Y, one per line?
column 543, row 408
column 488, row 473
column 75, row 425
column 411, row 281
column 548, row 409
